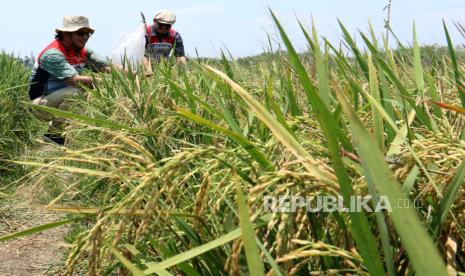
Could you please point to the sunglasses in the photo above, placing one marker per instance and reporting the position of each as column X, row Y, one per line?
column 161, row 25
column 83, row 33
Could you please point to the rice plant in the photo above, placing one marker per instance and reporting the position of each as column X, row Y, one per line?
column 18, row 124
column 169, row 174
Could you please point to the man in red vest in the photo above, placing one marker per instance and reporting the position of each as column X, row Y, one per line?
column 56, row 75
column 162, row 39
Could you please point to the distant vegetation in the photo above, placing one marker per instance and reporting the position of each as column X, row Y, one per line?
column 430, row 54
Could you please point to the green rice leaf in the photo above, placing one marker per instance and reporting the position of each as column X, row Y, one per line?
column 248, row 236
column 410, row 180
column 87, row 120
column 449, row 197
column 274, row 106
column 130, row 266
column 360, row 228
column 165, row 250
column 455, row 66
column 281, row 133
column 418, row 68
column 321, row 72
column 34, row 230
column 378, row 126
column 187, row 255
column 237, row 137
column 423, row 255
column 358, row 55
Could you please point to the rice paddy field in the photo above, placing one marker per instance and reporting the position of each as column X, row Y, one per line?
column 169, row 175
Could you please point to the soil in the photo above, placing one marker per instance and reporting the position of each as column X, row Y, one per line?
column 38, row 254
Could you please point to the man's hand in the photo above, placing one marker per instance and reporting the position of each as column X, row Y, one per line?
column 105, row 69
column 147, row 65
column 80, row 80
column 182, row 59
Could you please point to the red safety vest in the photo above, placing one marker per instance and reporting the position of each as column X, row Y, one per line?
column 73, row 58
column 41, row 82
column 155, row 39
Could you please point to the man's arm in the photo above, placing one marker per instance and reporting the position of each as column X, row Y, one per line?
column 97, row 63
column 78, row 80
column 179, row 49
column 101, row 65
column 55, row 63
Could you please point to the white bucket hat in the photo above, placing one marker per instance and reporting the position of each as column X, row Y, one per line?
column 165, row 17
column 74, row 23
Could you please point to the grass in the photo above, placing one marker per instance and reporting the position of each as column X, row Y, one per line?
column 168, row 174
column 18, row 125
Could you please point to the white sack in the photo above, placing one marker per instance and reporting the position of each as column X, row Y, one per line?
column 131, row 45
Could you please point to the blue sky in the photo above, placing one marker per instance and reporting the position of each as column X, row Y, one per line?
column 241, row 26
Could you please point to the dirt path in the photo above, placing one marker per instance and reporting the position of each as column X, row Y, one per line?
column 38, row 254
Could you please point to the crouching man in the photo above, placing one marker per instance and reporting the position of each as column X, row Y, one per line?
column 56, row 74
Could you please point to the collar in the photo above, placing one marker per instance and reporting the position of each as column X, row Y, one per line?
column 155, row 33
